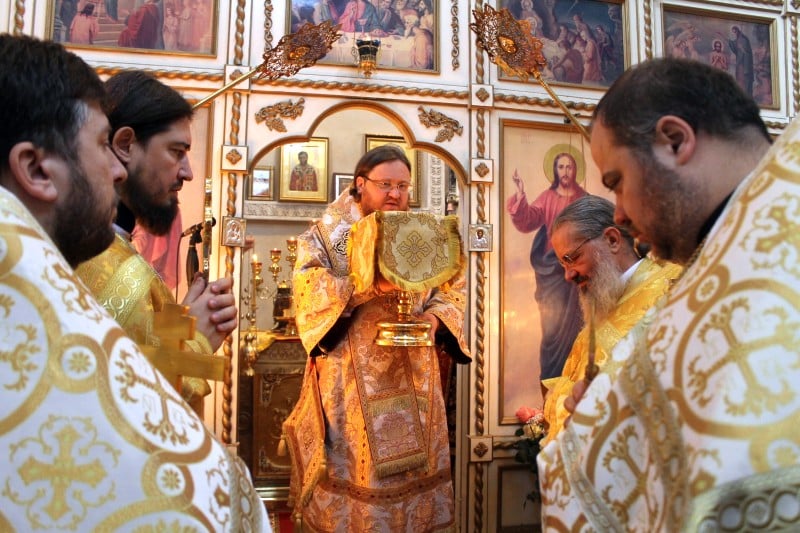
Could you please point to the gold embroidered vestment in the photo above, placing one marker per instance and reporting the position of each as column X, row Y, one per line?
column 339, row 430
column 649, row 282
column 132, row 291
column 698, row 430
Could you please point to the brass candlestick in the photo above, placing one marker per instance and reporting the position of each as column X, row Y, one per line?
column 275, row 267
column 251, row 302
column 291, row 258
column 283, row 307
column 281, row 301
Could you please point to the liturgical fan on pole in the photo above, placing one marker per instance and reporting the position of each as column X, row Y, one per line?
column 511, row 46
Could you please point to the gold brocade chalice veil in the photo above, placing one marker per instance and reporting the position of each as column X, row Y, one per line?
column 414, row 251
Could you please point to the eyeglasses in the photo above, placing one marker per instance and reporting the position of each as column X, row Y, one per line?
column 570, row 258
column 403, row 187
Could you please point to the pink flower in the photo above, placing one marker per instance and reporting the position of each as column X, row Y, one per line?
column 526, row 414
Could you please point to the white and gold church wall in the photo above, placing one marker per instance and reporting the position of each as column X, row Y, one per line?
column 461, row 114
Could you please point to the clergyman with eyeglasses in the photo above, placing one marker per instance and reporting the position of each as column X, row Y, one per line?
column 616, row 283
column 339, row 433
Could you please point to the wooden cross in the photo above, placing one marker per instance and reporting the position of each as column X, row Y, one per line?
column 173, row 326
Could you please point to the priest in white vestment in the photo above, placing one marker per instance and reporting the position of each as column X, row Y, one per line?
column 92, row 437
column 699, row 429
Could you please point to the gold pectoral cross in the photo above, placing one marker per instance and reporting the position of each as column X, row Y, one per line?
column 173, row 326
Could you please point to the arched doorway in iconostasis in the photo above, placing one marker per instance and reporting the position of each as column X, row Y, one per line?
column 276, row 209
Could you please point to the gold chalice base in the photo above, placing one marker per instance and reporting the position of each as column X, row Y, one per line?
column 412, row 333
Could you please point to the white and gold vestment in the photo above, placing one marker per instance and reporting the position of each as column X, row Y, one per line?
column 92, row 437
column 700, row 428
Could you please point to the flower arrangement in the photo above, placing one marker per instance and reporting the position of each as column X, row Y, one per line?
column 533, row 430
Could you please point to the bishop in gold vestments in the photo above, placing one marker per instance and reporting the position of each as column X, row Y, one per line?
column 650, row 281
column 92, row 437
column 700, row 428
column 132, row 291
column 368, row 436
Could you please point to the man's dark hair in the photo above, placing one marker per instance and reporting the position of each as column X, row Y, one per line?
column 373, row 158
column 138, row 100
column 44, row 93
column 707, row 98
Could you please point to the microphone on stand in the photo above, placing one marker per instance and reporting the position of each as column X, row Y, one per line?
column 192, row 259
column 197, row 227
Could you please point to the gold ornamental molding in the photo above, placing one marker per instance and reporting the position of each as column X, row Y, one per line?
column 481, row 171
column 771, row 124
column 267, row 25
column 433, row 119
column 795, row 66
column 363, row 87
column 230, row 209
column 483, row 96
column 271, row 115
column 775, row 3
column 165, row 74
column 454, row 52
column 478, row 353
column 19, row 17
column 234, row 156
column 548, row 102
column 481, row 449
column 234, row 72
column 648, row 30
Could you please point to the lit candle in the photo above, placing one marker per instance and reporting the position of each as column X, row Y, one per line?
column 254, row 259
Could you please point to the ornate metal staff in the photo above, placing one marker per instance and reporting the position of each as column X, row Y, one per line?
column 293, row 52
column 513, row 48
